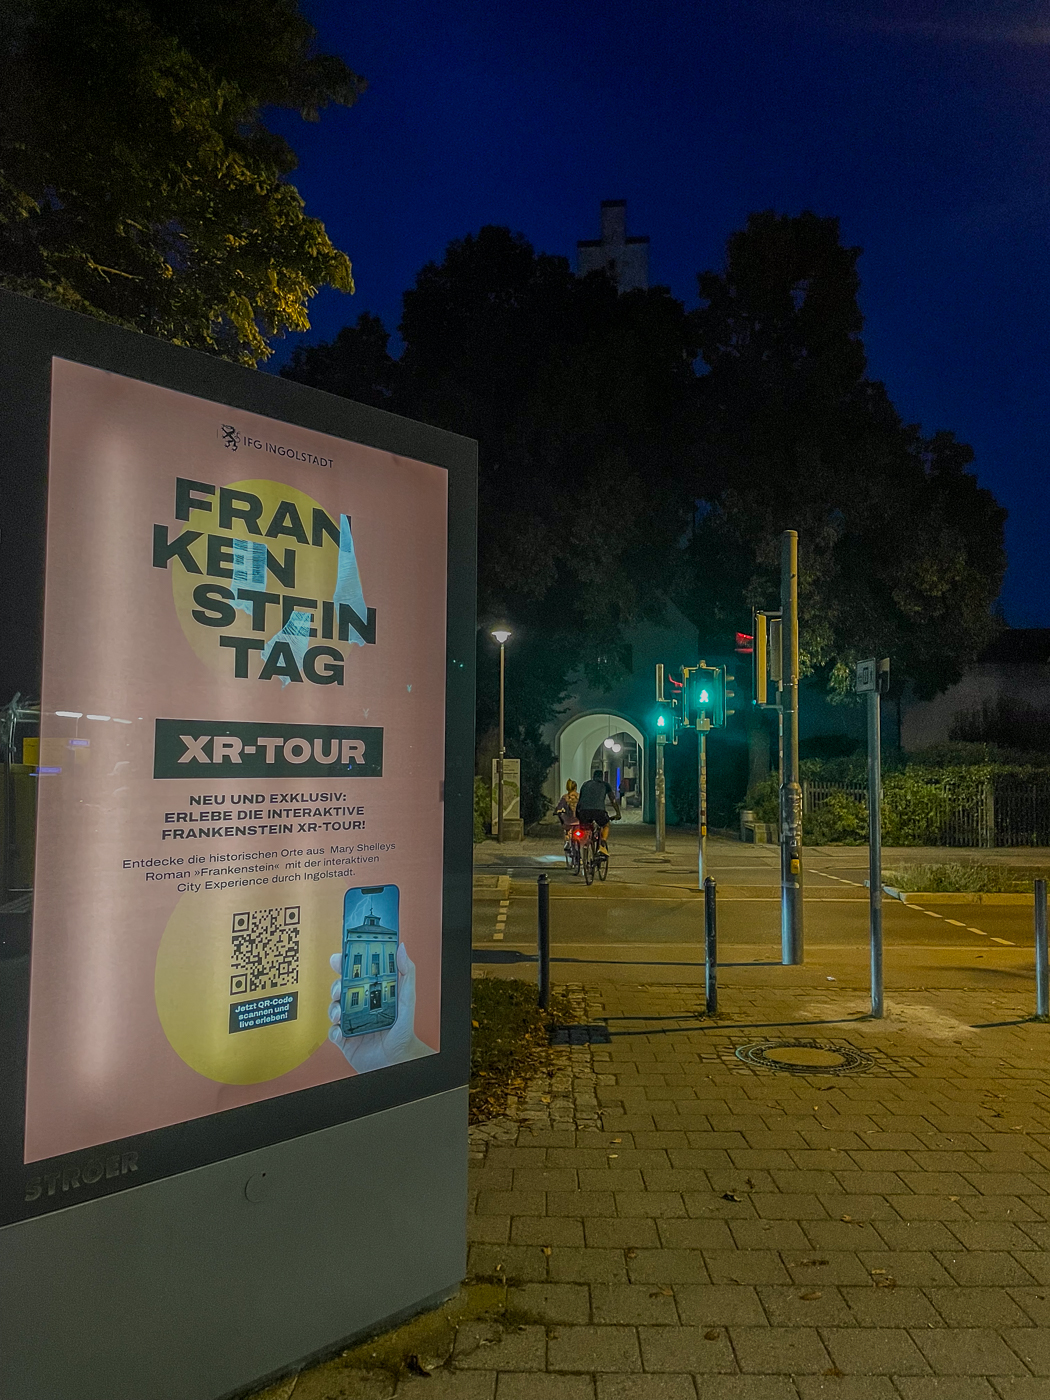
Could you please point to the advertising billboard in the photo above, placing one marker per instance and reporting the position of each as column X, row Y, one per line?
column 240, row 831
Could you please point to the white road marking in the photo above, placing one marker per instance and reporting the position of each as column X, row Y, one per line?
column 1008, row 941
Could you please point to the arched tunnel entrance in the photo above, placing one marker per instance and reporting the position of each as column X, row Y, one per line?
column 611, row 743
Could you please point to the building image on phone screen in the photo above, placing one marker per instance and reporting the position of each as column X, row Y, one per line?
column 369, row 973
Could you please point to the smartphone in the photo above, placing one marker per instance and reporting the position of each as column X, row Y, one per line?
column 371, row 933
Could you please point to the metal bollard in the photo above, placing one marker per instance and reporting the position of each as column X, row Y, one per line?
column 1042, row 979
column 543, row 939
column 710, row 948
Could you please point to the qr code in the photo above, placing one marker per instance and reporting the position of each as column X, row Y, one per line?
column 265, row 950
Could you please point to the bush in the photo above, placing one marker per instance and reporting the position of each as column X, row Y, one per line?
column 482, row 809
column 920, row 800
column 841, row 820
column 764, row 800
column 959, row 877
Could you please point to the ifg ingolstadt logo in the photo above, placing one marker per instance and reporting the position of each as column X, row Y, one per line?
column 231, row 438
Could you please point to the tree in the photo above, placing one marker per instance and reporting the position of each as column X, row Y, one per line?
column 613, row 476
column 901, row 552
column 579, row 399
column 138, row 182
column 357, row 363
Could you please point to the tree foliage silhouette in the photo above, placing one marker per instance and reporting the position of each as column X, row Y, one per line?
column 138, row 181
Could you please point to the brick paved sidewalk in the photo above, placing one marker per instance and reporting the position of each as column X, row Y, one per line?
column 732, row 1232
column 668, row 1222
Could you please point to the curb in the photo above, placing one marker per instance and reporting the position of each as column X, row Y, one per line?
column 961, row 897
column 492, row 884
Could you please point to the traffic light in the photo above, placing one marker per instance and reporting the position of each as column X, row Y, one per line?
column 704, row 695
column 707, row 692
column 667, row 721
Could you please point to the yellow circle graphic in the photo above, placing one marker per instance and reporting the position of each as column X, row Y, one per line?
column 277, row 557
column 243, row 979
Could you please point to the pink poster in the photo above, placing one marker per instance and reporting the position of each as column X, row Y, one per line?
column 239, row 841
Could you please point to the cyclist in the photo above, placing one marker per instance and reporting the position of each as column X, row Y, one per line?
column 591, row 807
column 566, row 809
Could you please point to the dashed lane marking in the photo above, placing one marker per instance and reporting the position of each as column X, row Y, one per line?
column 1007, row 942
column 501, row 921
column 840, row 878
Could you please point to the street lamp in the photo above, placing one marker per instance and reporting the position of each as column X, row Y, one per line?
column 501, row 634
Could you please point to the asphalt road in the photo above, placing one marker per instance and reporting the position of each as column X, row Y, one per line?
column 620, row 914
column 652, row 918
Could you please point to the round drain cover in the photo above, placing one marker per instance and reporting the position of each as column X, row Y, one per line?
column 805, row 1057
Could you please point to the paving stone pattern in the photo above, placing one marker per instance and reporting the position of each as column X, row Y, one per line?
column 673, row 1224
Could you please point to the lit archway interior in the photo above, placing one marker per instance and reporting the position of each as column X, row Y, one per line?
column 582, row 737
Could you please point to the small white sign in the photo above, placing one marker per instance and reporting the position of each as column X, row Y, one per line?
column 865, row 676
column 511, row 790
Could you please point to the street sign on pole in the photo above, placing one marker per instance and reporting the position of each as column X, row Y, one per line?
column 866, row 676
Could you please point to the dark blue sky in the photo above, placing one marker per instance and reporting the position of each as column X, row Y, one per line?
column 924, row 127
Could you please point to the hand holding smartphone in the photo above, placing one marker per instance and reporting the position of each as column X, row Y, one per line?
column 368, row 972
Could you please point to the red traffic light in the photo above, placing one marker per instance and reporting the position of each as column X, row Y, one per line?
column 745, row 643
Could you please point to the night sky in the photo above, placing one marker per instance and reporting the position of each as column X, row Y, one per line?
column 924, row 127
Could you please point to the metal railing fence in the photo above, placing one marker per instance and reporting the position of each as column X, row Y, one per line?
column 1001, row 810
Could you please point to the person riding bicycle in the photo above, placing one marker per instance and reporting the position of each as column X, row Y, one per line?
column 591, row 807
column 566, row 809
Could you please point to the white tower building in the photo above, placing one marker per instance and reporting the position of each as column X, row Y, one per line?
column 625, row 259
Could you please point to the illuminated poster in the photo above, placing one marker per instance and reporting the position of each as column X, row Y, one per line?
column 239, row 843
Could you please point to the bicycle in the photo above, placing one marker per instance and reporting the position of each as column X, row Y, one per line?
column 593, row 859
column 574, row 837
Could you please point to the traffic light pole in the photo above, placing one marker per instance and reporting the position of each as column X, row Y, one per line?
column 875, row 847
column 661, row 796
column 791, row 934
column 701, row 792
column 499, row 767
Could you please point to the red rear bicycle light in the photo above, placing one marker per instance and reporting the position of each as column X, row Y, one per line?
column 579, row 834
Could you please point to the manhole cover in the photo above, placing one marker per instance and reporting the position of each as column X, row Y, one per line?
column 805, row 1057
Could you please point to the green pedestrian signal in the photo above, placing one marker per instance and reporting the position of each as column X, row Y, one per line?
column 706, row 691
column 667, row 721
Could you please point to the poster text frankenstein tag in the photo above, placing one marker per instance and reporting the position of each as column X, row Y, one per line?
column 261, row 592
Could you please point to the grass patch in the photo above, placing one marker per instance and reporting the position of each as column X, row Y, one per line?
column 960, row 877
column 509, row 1042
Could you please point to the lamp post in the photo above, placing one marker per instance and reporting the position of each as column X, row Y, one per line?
column 501, row 634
